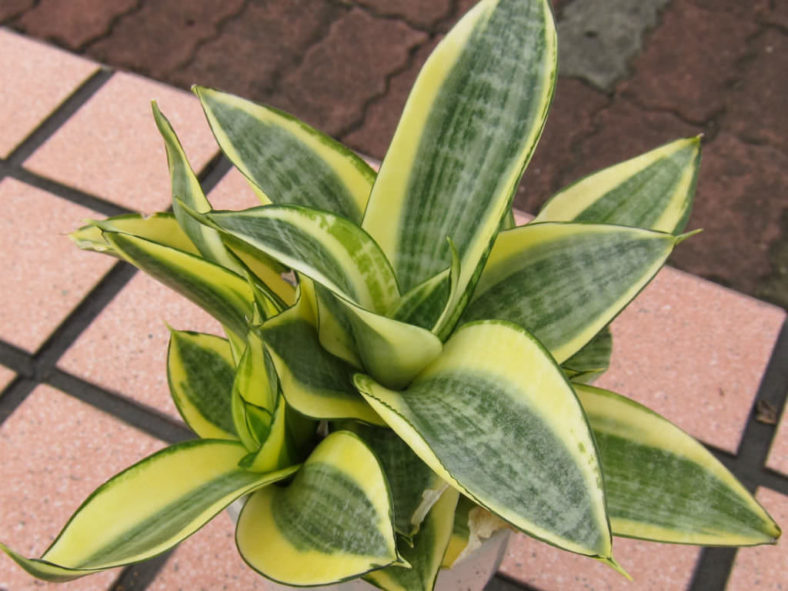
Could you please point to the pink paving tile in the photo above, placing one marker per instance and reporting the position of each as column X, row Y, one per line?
column 694, row 352
column 778, row 454
column 125, row 349
column 35, row 79
column 233, row 192
column 653, row 567
column 6, row 375
column 209, row 560
column 764, row 568
column 111, row 147
column 56, row 450
column 44, row 275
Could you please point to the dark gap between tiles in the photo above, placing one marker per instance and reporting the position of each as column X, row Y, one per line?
column 137, row 577
column 503, row 583
column 59, row 116
column 749, row 465
column 144, row 418
column 17, row 359
column 214, row 171
column 14, row 394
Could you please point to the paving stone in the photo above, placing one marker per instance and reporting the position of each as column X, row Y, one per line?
column 742, row 9
column 695, row 353
column 600, row 37
column 35, row 79
column 233, row 192
column 112, row 149
column 254, row 48
column 6, row 375
column 12, row 8
column 757, row 106
column 623, row 131
column 764, row 568
column 736, row 208
column 415, row 12
column 654, row 567
column 570, row 120
column 44, row 275
column 209, row 560
column 75, row 22
column 776, row 14
column 778, row 453
column 162, row 35
column 346, row 69
column 383, row 114
column 125, row 348
column 690, row 61
column 56, row 450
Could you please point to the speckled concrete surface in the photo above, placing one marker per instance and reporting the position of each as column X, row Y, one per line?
column 233, row 192
column 55, row 451
column 695, row 353
column 653, row 567
column 35, row 79
column 125, row 349
column 764, row 568
column 44, row 275
column 120, row 152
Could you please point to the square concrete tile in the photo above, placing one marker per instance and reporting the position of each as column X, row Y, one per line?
column 695, row 353
column 112, row 149
column 778, row 454
column 653, row 567
column 44, row 274
column 55, row 451
column 6, row 375
column 764, row 568
column 35, row 79
column 233, row 192
column 125, row 349
column 209, row 560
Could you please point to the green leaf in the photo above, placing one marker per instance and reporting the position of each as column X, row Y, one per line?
column 314, row 382
column 200, row 372
column 495, row 418
column 221, row 293
column 425, row 555
column 663, row 485
column 148, row 508
column 565, row 282
column 468, row 130
column 653, row 191
column 287, row 161
column 333, row 522
column 275, row 452
column 328, row 249
column 414, row 486
column 592, row 360
column 161, row 228
column 186, row 188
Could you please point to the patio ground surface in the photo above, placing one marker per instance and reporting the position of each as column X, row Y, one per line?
column 83, row 339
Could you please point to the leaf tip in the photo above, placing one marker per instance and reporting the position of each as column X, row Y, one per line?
column 682, row 237
column 612, row 563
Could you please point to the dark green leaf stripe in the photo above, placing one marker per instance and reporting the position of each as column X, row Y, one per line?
column 565, row 282
column 652, row 191
column 494, row 390
column 663, row 485
column 423, row 305
column 467, row 132
column 150, row 507
column 331, row 523
column 200, row 372
column 219, row 292
column 289, row 161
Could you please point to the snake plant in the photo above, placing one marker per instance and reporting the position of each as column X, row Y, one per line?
column 403, row 366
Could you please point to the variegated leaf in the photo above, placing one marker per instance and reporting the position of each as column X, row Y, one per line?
column 495, row 418
column 333, row 522
column 653, row 191
column 565, row 282
column 287, row 161
column 200, row 371
column 149, row 508
column 592, row 360
column 161, row 228
column 468, row 129
column 663, row 485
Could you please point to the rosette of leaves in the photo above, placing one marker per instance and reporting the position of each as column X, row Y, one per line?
column 424, row 375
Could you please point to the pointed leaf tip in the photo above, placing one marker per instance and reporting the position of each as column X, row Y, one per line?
column 682, row 237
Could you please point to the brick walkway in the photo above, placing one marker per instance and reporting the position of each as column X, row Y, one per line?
column 82, row 341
